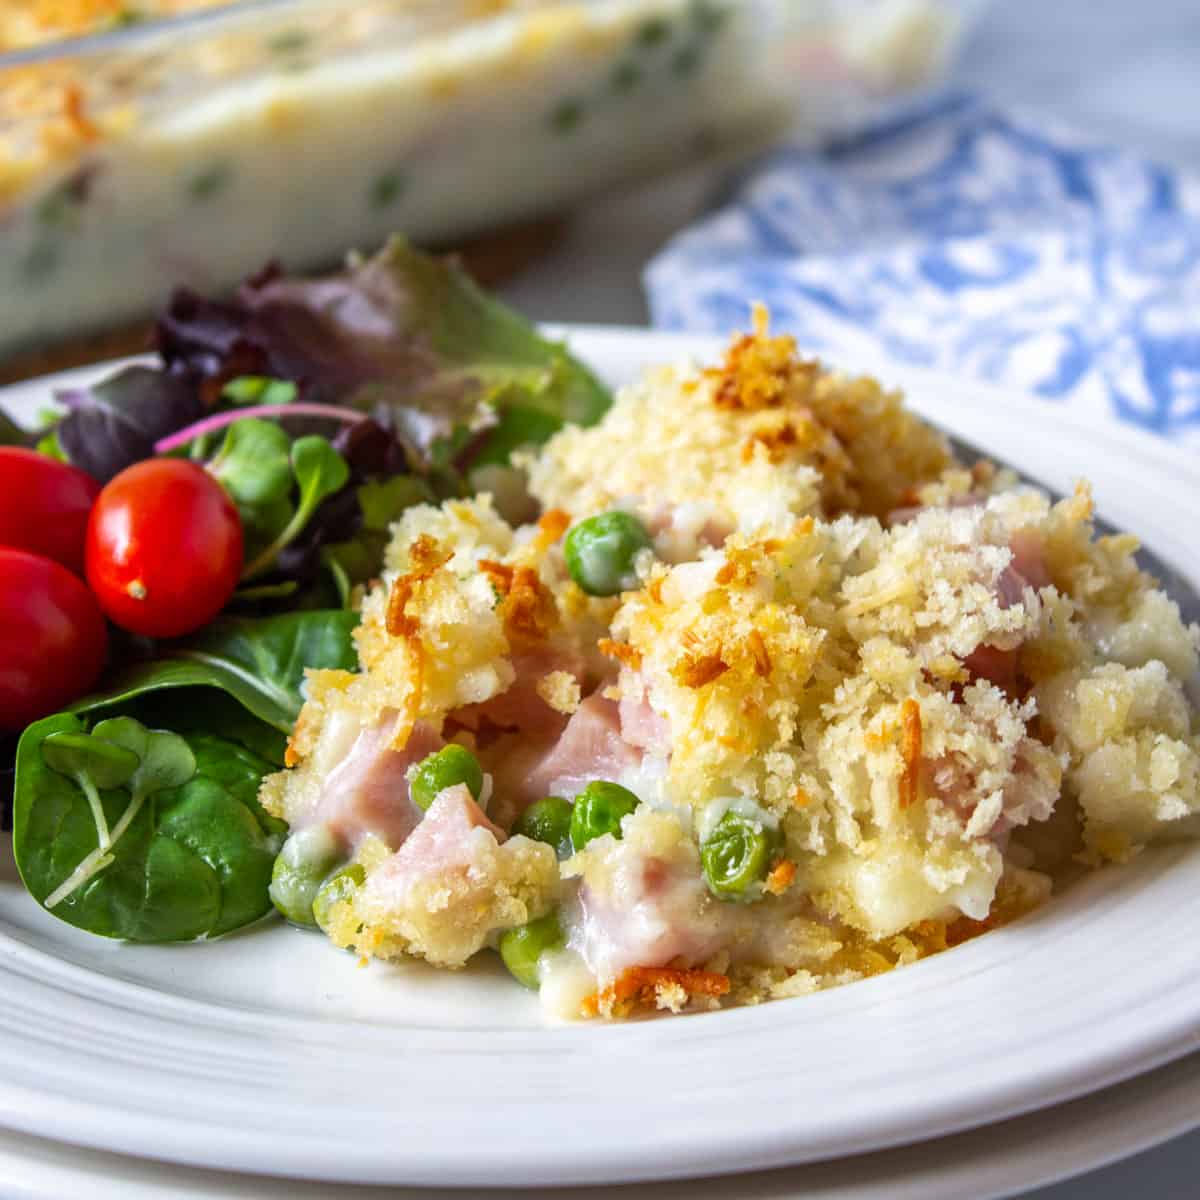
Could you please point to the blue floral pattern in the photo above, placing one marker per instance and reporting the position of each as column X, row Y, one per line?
column 999, row 246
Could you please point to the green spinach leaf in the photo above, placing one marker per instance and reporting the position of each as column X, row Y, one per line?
column 239, row 771
column 197, row 711
column 516, row 426
column 320, row 471
column 190, row 850
column 263, row 523
column 480, row 344
column 260, row 662
column 136, row 815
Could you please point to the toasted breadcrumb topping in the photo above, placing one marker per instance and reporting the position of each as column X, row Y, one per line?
column 560, row 690
column 655, row 987
column 938, row 690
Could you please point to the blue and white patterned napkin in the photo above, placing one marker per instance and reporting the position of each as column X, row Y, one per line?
column 993, row 245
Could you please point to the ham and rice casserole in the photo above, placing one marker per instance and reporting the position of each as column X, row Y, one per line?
column 849, row 704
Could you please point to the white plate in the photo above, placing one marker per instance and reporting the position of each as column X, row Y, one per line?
column 999, row 1160
column 270, row 1052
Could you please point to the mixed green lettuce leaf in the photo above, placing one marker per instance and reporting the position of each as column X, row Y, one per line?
column 403, row 336
column 116, row 422
column 135, row 814
column 449, row 379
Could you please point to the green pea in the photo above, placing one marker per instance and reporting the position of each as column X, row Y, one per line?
column 625, row 76
column 300, row 868
column 40, row 262
column 451, row 765
column 566, row 115
column 126, row 16
column 211, row 180
column 339, row 886
column 598, row 810
column 289, row 41
column 653, row 31
column 707, row 16
column 600, row 552
column 736, row 855
column 548, row 821
column 522, row 948
column 386, row 189
column 685, row 60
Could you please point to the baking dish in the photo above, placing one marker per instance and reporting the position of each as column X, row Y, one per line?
column 177, row 141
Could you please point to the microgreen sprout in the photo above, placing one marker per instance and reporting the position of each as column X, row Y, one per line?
column 93, row 764
column 188, row 434
column 254, row 462
column 320, row 471
column 119, row 752
column 259, row 389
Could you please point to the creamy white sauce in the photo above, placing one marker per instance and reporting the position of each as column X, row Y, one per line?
column 565, row 982
column 712, row 813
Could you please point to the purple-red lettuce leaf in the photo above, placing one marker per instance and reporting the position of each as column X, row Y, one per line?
column 404, row 336
column 115, row 422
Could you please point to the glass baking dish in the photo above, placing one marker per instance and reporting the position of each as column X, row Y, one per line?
column 187, row 142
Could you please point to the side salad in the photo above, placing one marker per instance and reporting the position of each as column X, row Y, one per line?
column 181, row 541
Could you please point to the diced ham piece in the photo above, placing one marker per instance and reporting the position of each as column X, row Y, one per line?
column 665, row 915
column 520, row 707
column 367, row 792
column 438, row 892
column 995, row 665
column 1033, row 788
column 714, row 533
column 526, row 768
column 1026, row 570
column 641, row 726
column 439, row 845
column 1029, row 557
column 681, row 531
column 591, row 747
column 1029, row 794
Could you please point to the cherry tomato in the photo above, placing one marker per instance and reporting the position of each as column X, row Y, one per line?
column 164, row 548
column 44, row 505
column 52, row 638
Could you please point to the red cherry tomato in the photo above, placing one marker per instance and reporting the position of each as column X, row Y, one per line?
column 164, row 548
column 52, row 638
column 44, row 505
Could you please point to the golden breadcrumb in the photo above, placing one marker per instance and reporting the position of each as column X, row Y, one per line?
column 935, row 691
